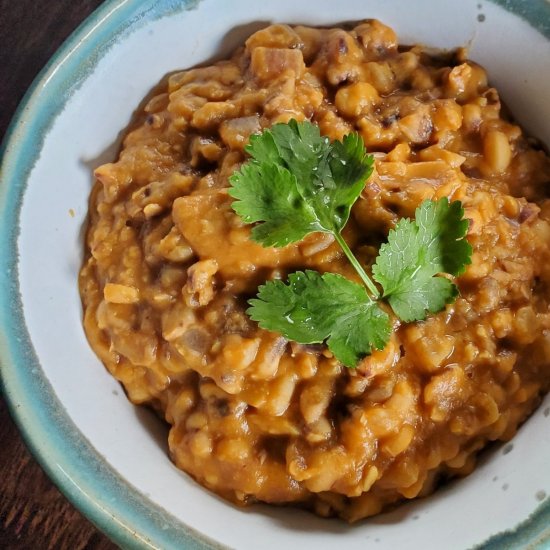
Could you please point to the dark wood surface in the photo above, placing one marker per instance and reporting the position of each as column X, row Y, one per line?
column 34, row 515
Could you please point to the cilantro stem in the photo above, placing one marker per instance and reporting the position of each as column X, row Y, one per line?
column 355, row 263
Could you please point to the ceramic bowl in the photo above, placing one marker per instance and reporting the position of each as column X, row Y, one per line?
column 110, row 458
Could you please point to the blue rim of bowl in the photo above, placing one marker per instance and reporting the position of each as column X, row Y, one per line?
column 82, row 474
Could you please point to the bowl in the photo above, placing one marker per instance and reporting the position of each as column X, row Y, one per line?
column 109, row 457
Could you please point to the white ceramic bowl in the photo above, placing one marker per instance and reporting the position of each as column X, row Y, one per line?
column 109, row 457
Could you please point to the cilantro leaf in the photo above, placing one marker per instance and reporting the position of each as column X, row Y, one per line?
column 313, row 308
column 416, row 252
column 423, row 294
column 328, row 178
column 443, row 226
column 296, row 146
column 351, row 167
column 268, row 192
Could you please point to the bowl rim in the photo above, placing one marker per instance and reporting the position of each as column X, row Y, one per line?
column 123, row 513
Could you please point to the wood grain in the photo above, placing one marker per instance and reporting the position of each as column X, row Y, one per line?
column 33, row 513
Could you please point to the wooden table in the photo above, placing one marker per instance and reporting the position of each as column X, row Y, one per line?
column 34, row 515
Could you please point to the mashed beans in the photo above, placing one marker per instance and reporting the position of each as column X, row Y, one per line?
column 169, row 267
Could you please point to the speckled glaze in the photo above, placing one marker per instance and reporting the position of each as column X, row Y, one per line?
column 109, row 458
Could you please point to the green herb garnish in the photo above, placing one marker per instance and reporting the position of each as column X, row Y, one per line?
column 312, row 308
column 416, row 251
column 297, row 182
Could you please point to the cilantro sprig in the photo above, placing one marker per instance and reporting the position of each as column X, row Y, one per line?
column 298, row 182
column 312, row 308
